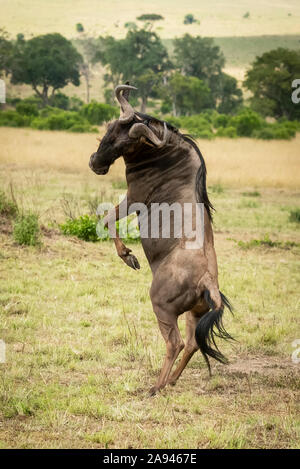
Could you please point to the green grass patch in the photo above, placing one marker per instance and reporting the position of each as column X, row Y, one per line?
column 267, row 242
column 295, row 216
column 251, row 194
column 26, row 230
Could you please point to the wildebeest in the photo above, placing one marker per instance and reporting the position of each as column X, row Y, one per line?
column 165, row 166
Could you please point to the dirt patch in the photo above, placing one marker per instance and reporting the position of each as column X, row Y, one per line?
column 263, row 366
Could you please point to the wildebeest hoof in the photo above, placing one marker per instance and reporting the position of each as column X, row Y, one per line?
column 172, row 382
column 153, row 391
column 131, row 261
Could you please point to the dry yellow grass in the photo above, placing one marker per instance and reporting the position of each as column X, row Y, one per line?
column 217, row 18
column 237, row 163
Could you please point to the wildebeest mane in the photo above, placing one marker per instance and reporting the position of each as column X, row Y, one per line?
column 201, row 190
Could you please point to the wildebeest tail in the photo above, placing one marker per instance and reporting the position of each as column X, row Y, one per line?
column 211, row 326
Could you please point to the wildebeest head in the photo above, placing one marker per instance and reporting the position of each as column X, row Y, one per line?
column 124, row 135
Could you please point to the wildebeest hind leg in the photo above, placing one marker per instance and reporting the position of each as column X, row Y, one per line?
column 190, row 346
column 192, row 318
column 174, row 344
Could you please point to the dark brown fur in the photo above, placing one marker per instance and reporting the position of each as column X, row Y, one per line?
column 184, row 281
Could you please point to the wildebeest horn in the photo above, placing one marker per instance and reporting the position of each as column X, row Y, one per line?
column 128, row 112
column 141, row 130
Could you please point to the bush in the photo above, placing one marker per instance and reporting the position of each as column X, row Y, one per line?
column 57, row 119
column 295, row 216
column 60, row 100
column 13, row 119
column 26, row 108
column 26, row 230
column 83, row 128
column 7, row 207
column 246, row 122
column 97, row 113
column 83, row 227
column 79, row 28
column 197, row 126
column 229, row 132
column 189, row 19
column 279, row 131
column 221, row 120
column 89, row 228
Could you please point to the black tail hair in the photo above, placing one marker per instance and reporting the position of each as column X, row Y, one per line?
column 205, row 333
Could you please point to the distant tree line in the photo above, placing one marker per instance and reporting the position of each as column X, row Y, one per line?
column 189, row 81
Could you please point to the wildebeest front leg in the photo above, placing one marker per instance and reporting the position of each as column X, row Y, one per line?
column 174, row 343
column 109, row 222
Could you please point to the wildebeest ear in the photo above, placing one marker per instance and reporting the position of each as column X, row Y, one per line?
column 141, row 131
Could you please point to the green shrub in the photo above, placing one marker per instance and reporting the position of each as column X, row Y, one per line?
column 246, row 122
column 97, row 113
column 197, row 125
column 267, row 242
column 26, row 230
column 79, row 28
column 7, row 207
column 251, row 194
column 26, row 108
column 295, row 216
column 229, row 132
column 83, row 128
column 89, row 228
column 175, row 121
column 60, row 100
column 83, row 227
column 13, row 119
column 279, row 131
column 57, row 119
column 221, row 120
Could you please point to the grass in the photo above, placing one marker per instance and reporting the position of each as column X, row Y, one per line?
column 247, row 161
column 33, row 17
column 83, row 345
column 241, row 40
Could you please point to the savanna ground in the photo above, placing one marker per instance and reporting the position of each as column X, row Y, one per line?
column 83, row 345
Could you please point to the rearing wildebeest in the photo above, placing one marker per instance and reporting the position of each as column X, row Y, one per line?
column 165, row 166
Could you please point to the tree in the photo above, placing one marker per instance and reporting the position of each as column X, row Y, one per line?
column 190, row 19
column 86, row 48
column 270, row 80
column 231, row 97
column 150, row 17
column 140, row 58
column 79, row 28
column 45, row 62
column 200, row 57
column 187, row 95
column 6, row 49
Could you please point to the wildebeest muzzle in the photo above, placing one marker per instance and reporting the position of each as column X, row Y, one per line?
column 98, row 170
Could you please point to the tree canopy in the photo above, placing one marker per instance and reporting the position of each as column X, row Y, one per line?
column 270, row 80
column 200, row 57
column 150, row 17
column 6, row 51
column 186, row 95
column 139, row 58
column 45, row 62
